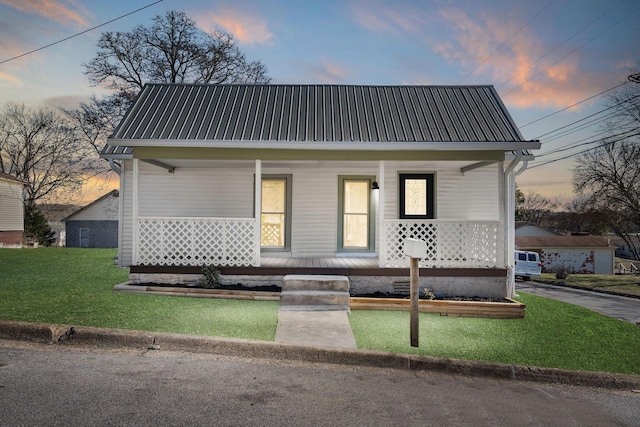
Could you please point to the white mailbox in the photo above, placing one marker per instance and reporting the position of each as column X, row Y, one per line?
column 415, row 248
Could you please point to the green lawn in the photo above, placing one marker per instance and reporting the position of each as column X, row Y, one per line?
column 552, row 334
column 625, row 284
column 75, row 287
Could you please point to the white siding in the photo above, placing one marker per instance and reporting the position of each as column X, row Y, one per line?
column 473, row 195
column 11, row 206
column 604, row 260
column 191, row 192
column 228, row 192
column 315, row 213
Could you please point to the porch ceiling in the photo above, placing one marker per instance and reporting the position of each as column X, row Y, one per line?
column 213, row 163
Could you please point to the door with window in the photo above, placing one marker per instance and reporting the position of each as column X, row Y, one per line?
column 275, row 218
column 356, row 222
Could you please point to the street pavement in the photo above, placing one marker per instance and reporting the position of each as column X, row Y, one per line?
column 44, row 384
column 618, row 307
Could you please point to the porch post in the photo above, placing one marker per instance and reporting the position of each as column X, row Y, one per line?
column 134, row 243
column 258, row 210
column 510, row 227
column 382, row 235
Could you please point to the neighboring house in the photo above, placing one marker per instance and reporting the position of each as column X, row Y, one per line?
column 524, row 228
column 95, row 225
column 11, row 210
column 622, row 247
column 275, row 179
column 580, row 254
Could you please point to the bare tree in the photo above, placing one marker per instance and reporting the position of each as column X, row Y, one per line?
column 172, row 50
column 609, row 174
column 533, row 207
column 44, row 150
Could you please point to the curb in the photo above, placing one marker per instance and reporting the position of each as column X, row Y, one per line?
column 120, row 338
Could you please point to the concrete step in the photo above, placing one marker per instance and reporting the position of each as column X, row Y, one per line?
column 313, row 297
column 322, row 307
column 318, row 282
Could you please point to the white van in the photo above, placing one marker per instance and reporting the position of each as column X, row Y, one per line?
column 527, row 264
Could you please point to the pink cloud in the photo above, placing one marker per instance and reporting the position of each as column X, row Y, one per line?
column 380, row 17
column 247, row 28
column 513, row 66
column 51, row 9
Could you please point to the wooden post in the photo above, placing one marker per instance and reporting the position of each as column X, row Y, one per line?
column 414, row 249
column 414, row 326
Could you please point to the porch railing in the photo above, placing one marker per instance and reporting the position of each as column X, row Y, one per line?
column 449, row 243
column 196, row 241
column 232, row 242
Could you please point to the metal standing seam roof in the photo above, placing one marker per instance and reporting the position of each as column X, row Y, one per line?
column 312, row 113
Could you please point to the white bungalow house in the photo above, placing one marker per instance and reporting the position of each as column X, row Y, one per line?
column 264, row 180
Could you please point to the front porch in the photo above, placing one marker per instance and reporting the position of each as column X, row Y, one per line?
column 464, row 258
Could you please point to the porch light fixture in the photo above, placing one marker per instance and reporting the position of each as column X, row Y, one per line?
column 374, row 186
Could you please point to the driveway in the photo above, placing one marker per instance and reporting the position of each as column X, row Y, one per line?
column 618, row 307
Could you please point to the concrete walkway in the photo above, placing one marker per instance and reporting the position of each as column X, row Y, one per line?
column 315, row 328
column 618, row 307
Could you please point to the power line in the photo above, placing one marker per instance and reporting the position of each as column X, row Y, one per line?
column 80, row 33
column 580, row 142
column 586, row 150
column 587, row 117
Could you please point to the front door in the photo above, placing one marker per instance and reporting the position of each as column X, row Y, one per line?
column 356, row 224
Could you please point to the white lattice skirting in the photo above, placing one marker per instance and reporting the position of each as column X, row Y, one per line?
column 449, row 243
column 196, row 241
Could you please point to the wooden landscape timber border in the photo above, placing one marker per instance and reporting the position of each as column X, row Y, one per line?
column 494, row 310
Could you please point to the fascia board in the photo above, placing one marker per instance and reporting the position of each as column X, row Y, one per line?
column 316, row 145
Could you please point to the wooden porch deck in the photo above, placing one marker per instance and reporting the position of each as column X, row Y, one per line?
column 319, row 262
column 352, row 266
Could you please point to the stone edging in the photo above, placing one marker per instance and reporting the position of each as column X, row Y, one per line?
column 118, row 338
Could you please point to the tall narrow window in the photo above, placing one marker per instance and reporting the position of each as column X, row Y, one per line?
column 356, row 214
column 417, row 198
column 356, row 223
column 273, row 217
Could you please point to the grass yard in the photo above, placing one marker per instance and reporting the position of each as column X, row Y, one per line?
column 552, row 334
column 75, row 287
column 625, row 284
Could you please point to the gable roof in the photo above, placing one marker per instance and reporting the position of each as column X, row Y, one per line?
column 11, row 178
column 206, row 115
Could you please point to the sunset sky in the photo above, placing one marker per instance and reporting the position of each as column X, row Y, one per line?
column 543, row 57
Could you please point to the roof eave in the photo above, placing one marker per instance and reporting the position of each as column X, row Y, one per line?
column 327, row 145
